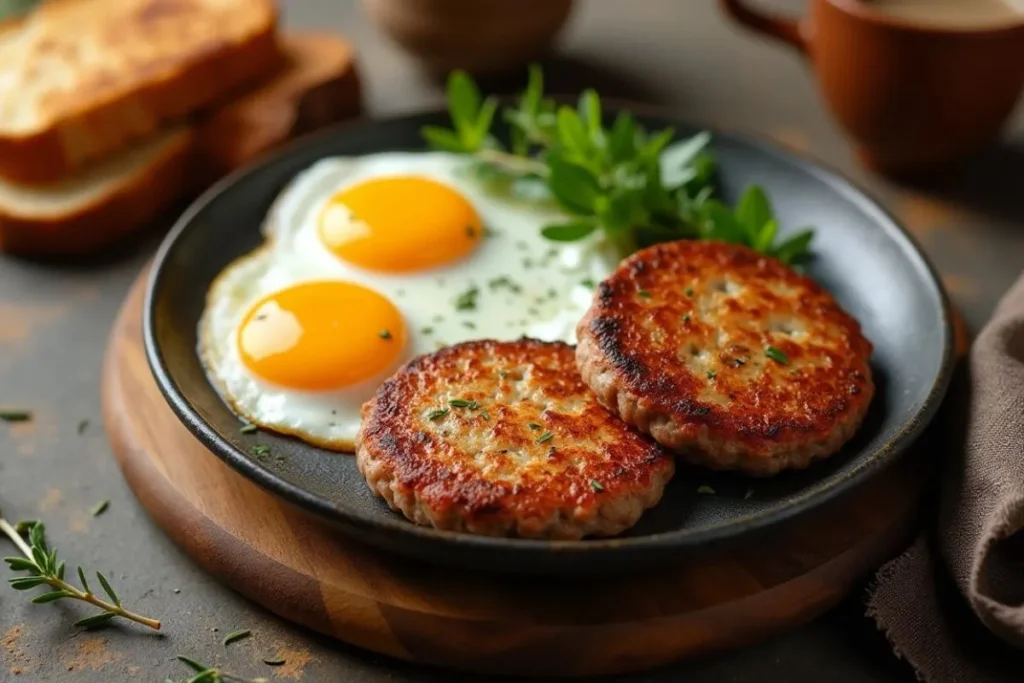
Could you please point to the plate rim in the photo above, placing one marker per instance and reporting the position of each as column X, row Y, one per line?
column 395, row 533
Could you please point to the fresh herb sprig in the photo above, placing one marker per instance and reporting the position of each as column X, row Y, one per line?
column 209, row 674
column 637, row 188
column 45, row 570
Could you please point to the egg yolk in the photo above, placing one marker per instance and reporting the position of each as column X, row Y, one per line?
column 321, row 335
column 399, row 224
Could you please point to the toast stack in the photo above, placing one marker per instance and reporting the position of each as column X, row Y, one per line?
column 113, row 110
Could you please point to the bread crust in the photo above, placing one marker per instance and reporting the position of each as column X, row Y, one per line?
column 142, row 101
column 106, row 218
column 318, row 86
column 535, row 456
column 676, row 343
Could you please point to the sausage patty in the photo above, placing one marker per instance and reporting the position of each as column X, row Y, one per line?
column 505, row 439
column 726, row 356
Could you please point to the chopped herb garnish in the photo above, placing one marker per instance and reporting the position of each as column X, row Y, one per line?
column 596, row 485
column 502, row 374
column 686, row 318
column 588, row 283
column 260, row 449
column 527, row 263
column 469, row 324
column 15, row 415
column 463, row 403
column 505, row 281
column 776, row 355
column 534, row 426
column 235, row 636
column 384, row 334
column 546, row 436
column 705, row 490
column 712, row 374
column 438, row 413
column 485, row 415
column 82, row 426
column 748, row 494
column 427, row 330
column 532, row 311
column 100, row 508
column 552, row 294
column 689, row 291
column 274, row 661
column 248, row 428
column 643, row 293
column 470, row 231
column 467, row 300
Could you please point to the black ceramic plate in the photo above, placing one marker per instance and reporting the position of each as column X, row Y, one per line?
column 861, row 255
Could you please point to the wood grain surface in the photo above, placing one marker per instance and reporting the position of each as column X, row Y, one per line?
column 300, row 569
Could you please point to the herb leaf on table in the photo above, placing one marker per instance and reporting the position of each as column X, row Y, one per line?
column 636, row 187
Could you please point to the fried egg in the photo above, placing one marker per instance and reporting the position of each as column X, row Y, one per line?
column 370, row 261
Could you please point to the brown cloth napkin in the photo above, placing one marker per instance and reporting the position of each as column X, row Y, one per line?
column 953, row 605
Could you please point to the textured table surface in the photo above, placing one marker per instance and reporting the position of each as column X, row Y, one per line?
column 54, row 322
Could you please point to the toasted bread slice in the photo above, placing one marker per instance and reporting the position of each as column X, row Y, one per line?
column 80, row 79
column 94, row 208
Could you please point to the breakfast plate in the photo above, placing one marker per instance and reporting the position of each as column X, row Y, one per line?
column 860, row 255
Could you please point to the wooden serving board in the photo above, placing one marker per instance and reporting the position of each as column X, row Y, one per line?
column 299, row 568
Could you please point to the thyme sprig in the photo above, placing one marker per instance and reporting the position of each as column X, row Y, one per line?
column 633, row 187
column 45, row 570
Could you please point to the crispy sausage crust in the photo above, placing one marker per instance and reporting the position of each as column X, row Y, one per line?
column 535, row 455
column 676, row 343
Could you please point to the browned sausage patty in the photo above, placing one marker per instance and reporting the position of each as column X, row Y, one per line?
column 504, row 439
column 726, row 356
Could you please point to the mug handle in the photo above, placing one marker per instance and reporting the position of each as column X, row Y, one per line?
column 786, row 30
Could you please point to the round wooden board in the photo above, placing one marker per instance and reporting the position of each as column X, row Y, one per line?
column 299, row 568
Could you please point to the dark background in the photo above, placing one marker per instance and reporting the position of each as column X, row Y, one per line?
column 54, row 322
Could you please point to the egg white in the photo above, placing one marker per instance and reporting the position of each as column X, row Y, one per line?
column 526, row 286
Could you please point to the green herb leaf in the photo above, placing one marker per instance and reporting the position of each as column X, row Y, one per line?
column 49, row 597
column 24, row 583
column 621, row 142
column 191, row 663
column 705, row 490
column 573, row 186
column 443, row 139
column 795, row 248
column 748, row 494
column 107, row 589
column 235, row 636
column 753, row 211
column 19, row 564
column 15, row 415
column 568, row 232
column 463, row 102
column 712, row 374
column 534, row 426
column 766, row 236
column 437, row 414
column 590, row 114
column 546, row 436
column 596, row 485
column 776, row 355
column 248, row 429
column 95, row 620
column 100, row 508
column 384, row 334
column 81, row 577
column 571, row 132
column 720, row 223
column 463, row 403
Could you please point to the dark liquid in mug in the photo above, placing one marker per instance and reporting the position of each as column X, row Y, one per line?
column 956, row 14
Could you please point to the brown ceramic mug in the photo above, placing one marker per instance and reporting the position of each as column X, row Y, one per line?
column 913, row 96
